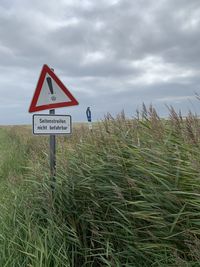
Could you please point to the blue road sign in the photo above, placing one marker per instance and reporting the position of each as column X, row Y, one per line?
column 89, row 114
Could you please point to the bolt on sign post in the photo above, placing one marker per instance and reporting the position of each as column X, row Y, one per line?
column 89, row 117
column 51, row 93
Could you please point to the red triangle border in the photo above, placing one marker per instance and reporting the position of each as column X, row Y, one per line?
column 35, row 108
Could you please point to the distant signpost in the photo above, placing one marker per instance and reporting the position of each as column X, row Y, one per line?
column 51, row 93
column 89, row 117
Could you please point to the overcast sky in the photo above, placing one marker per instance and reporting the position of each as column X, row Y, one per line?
column 111, row 54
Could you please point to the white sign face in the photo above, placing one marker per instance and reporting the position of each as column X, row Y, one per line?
column 48, row 96
column 51, row 124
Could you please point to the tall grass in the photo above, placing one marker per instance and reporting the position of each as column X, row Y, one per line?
column 127, row 194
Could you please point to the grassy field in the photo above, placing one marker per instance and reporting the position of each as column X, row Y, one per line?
column 127, row 194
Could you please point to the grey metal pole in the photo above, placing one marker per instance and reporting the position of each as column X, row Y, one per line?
column 52, row 156
column 52, row 143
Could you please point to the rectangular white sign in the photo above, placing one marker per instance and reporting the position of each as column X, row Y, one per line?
column 52, row 124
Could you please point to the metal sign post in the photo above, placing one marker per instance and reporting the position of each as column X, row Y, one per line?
column 52, row 155
column 52, row 140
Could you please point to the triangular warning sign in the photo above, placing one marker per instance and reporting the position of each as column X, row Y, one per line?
column 51, row 93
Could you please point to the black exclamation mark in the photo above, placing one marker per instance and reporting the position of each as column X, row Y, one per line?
column 49, row 82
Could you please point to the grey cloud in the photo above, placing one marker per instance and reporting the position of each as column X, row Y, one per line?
column 106, row 52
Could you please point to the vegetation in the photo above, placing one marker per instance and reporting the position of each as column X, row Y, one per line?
column 127, row 194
